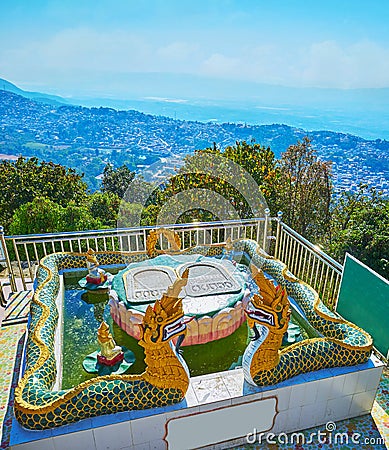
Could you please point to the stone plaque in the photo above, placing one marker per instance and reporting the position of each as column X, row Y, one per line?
column 209, row 278
column 147, row 284
column 223, row 423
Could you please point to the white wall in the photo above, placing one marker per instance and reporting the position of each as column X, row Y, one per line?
column 306, row 401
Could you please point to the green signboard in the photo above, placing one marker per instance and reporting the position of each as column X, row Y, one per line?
column 364, row 300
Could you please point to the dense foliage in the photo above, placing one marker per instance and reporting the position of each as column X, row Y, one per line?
column 304, row 190
column 360, row 226
column 26, row 179
column 104, row 206
column 219, row 185
column 213, row 184
column 117, row 180
column 42, row 215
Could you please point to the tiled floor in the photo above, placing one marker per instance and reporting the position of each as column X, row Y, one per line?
column 370, row 431
column 11, row 347
column 18, row 308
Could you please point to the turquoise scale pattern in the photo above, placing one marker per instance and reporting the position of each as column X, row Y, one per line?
column 102, row 397
column 108, row 395
column 105, row 395
column 312, row 354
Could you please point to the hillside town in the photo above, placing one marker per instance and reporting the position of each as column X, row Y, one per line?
column 89, row 138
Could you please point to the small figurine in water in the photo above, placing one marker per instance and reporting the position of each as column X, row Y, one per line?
column 228, row 251
column 110, row 358
column 110, row 353
column 95, row 275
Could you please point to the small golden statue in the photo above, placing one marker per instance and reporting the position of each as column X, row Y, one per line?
column 110, row 353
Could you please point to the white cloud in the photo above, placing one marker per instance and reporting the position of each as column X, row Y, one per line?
column 220, row 65
column 320, row 64
column 84, row 48
column 81, row 53
column 178, row 51
column 362, row 64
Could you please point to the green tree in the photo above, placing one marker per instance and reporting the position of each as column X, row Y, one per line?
column 205, row 173
column 105, row 207
column 260, row 163
column 149, row 215
column 39, row 216
column 42, row 215
column 117, row 180
column 141, row 191
column 305, row 190
column 130, row 214
column 360, row 226
column 25, row 179
column 78, row 218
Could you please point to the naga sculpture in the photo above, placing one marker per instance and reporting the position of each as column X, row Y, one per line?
column 342, row 344
column 165, row 380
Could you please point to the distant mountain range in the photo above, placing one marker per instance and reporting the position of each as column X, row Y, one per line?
column 363, row 112
column 37, row 96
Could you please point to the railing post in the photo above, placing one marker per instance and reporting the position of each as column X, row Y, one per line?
column 265, row 229
column 5, row 257
column 3, row 301
column 21, row 274
column 278, row 234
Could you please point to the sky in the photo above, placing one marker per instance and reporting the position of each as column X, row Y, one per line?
column 79, row 46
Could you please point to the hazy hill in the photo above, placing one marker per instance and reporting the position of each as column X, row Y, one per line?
column 137, row 86
column 88, row 138
column 363, row 112
column 37, row 96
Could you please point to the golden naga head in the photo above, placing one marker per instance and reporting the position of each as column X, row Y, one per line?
column 270, row 307
column 165, row 319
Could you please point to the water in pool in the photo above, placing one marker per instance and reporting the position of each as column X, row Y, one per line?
column 81, row 321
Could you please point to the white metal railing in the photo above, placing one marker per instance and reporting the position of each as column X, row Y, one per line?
column 26, row 251
column 304, row 260
column 309, row 263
